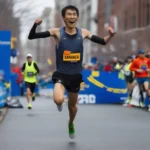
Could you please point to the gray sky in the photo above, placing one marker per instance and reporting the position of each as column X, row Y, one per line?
column 28, row 11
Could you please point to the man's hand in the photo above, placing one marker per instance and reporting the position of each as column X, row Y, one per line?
column 38, row 21
column 148, row 70
column 139, row 70
column 111, row 31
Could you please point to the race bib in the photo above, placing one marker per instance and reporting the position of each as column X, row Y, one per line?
column 144, row 66
column 30, row 74
column 71, row 57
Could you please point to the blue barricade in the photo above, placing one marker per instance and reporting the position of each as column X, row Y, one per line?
column 5, row 37
column 2, row 94
column 15, row 87
column 102, row 88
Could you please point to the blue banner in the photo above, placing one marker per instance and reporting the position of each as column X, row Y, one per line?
column 5, row 37
column 15, row 87
column 2, row 94
column 102, row 88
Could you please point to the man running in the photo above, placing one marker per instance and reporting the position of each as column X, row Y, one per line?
column 69, row 56
column 30, row 70
column 129, row 77
column 141, row 67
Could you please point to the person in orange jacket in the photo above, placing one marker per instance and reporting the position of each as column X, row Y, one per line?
column 141, row 67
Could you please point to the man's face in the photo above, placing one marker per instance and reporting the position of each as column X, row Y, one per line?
column 70, row 18
column 142, row 55
column 129, row 60
column 29, row 59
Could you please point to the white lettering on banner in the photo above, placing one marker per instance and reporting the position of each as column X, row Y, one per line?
column 123, row 98
column 86, row 99
column 4, row 43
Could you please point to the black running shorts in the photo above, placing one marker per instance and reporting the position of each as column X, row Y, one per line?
column 70, row 82
column 31, row 86
column 129, row 79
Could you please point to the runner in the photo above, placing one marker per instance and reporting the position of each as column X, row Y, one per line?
column 129, row 77
column 141, row 67
column 30, row 70
column 69, row 56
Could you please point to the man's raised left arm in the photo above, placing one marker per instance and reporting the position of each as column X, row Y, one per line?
column 103, row 41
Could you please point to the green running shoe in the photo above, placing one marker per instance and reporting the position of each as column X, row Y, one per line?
column 71, row 131
column 29, row 106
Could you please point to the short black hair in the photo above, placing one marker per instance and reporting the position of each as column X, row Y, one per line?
column 63, row 12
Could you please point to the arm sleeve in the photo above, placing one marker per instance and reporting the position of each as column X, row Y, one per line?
column 98, row 40
column 37, row 68
column 23, row 67
column 34, row 35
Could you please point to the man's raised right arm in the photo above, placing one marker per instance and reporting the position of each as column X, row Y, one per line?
column 35, row 35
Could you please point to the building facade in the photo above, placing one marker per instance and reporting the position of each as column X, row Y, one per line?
column 131, row 20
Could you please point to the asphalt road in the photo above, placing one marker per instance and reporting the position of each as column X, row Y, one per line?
column 98, row 127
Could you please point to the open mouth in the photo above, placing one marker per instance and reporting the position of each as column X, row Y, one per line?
column 71, row 22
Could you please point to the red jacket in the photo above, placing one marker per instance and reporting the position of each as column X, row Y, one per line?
column 17, row 70
column 140, row 63
column 108, row 68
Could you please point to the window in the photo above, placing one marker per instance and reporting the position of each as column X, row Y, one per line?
column 139, row 14
column 88, row 17
column 133, row 22
column 148, row 13
column 125, row 21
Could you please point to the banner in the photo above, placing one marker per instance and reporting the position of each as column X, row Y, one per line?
column 5, row 37
column 2, row 94
column 15, row 87
column 102, row 88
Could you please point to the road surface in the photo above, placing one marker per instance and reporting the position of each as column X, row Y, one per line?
column 98, row 127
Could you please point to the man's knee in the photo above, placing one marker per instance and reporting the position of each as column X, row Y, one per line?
column 58, row 99
column 72, row 106
column 28, row 92
column 147, row 90
column 58, row 95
